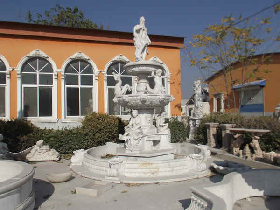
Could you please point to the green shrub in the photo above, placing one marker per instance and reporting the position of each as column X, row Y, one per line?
column 13, row 130
column 178, row 130
column 96, row 130
column 268, row 142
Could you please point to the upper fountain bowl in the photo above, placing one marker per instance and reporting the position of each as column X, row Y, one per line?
column 142, row 67
column 135, row 101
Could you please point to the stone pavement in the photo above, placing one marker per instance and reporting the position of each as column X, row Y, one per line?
column 158, row 196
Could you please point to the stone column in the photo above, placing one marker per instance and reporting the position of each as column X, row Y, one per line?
column 212, row 134
column 214, row 104
column 222, row 106
column 227, row 136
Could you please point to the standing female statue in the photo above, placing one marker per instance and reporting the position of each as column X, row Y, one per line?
column 141, row 40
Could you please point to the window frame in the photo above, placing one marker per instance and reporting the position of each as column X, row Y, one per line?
column 20, row 87
column 94, row 86
column 7, row 87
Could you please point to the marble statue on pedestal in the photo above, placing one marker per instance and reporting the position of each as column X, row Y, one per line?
column 198, row 109
column 42, row 152
column 3, row 148
column 133, row 132
column 141, row 40
column 198, row 112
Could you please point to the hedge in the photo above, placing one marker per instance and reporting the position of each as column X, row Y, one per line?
column 96, row 130
column 268, row 142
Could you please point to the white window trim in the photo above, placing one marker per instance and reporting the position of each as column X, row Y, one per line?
column 79, row 56
column 118, row 58
column 7, row 89
column 33, row 54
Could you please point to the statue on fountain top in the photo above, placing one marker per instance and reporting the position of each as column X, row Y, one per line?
column 141, row 40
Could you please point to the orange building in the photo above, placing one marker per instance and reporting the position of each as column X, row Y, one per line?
column 258, row 96
column 49, row 72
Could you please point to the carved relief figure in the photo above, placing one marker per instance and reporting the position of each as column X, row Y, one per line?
column 133, row 131
column 162, row 127
column 42, row 152
column 119, row 90
column 159, row 88
column 141, row 40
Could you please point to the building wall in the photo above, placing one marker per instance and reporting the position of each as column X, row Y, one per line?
column 271, row 90
column 14, row 48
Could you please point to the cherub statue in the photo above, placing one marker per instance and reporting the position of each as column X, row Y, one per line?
column 119, row 90
column 141, row 40
column 159, row 88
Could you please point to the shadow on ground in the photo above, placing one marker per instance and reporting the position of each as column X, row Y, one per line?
column 216, row 178
column 185, row 203
column 43, row 190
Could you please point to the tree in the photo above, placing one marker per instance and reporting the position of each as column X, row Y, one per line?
column 233, row 41
column 59, row 16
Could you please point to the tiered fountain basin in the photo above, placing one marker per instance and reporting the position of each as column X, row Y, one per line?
column 112, row 163
column 145, row 101
column 142, row 67
column 16, row 185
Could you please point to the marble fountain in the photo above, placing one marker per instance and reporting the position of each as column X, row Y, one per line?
column 147, row 154
column 16, row 185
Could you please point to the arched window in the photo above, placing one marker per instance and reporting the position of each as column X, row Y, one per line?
column 79, row 79
column 4, row 88
column 79, row 83
column 116, row 66
column 37, row 83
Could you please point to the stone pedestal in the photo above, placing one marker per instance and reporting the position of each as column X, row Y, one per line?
column 193, row 123
column 227, row 136
column 212, row 134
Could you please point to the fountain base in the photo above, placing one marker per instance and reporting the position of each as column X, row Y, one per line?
column 183, row 162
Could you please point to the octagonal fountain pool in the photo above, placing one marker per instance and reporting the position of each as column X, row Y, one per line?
column 109, row 163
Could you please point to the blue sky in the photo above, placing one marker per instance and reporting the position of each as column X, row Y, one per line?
column 183, row 18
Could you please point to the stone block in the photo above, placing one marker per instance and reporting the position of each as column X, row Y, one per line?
column 94, row 189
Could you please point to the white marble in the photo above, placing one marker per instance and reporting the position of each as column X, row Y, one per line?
column 147, row 153
column 141, row 40
column 16, row 185
column 119, row 89
column 227, row 167
column 78, row 156
column 42, row 152
column 235, row 186
column 57, row 178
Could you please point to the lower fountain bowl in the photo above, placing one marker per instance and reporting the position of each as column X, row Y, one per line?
column 104, row 163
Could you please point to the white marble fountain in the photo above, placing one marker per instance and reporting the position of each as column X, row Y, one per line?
column 147, row 154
